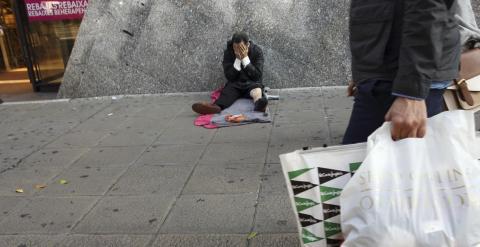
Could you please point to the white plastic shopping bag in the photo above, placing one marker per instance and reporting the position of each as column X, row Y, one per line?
column 416, row 192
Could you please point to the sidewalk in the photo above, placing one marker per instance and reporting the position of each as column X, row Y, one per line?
column 138, row 173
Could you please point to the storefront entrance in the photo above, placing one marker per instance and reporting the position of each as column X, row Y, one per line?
column 36, row 39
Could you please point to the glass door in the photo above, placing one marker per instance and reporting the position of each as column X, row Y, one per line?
column 48, row 45
column 52, row 43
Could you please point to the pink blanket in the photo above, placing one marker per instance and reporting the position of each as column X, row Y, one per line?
column 206, row 120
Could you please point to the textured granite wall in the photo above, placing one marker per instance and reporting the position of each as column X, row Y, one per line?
column 153, row 46
column 156, row 46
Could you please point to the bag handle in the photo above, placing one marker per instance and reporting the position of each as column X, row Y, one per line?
column 463, row 92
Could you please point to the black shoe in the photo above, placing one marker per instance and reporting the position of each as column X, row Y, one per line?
column 1, row 101
column 206, row 108
column 261, row 105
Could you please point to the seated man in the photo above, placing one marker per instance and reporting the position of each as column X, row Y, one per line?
column 243, row 67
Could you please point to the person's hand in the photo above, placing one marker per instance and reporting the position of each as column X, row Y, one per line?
column 408, row 117
column 352, row 89
column 236, row 50
column 243, row 51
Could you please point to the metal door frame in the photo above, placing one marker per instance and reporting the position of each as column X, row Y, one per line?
column 23, row 34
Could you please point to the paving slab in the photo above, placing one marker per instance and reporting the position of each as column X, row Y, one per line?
column 9, row 205
column 234, row 153
column 82, row 109
column 47, row 215
column 145, row 123
column 204, row 240
column 159, row 112
column 10, row 158
column 31, row 240
column 108, row 119
column 299, row 117
column 182, row 122
column 152, row 179
column 30, row 140
column 273, row 180
column 78, row 139
column 77, row 240
column 185, row 136
column 306, row 132
column 126, row 215
column 214, row 214
column 52, row 158
column 275, row 149
column 25, row 179
column 336, row 99
column 83, row 181
column 224, row 179
column 276, row 240
column 16, row 111
column 129, row 137
column 254, row 133
column 337, row 128
column 100, row 156
column 299, row 105
column 275, row 215
column 171, row 154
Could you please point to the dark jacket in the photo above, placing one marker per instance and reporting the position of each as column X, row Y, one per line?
column 251, row 73
column 409, row 42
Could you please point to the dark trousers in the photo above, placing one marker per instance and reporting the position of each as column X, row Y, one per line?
column 235, row 90
column 373, row 99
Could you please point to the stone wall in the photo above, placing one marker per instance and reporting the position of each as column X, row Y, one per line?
column 156, row 46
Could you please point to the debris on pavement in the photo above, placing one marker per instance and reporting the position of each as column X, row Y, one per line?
column 252, row 235
column 40, row 186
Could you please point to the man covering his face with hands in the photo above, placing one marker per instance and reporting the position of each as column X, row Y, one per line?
column 243, row 68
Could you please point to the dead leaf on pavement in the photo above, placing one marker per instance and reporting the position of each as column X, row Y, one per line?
column 40, row 186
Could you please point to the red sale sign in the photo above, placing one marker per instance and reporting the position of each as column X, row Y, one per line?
column 54, row 10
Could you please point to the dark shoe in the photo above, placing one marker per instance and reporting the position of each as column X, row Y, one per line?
column 206, row 108
column 261, row 105
column 1, row 101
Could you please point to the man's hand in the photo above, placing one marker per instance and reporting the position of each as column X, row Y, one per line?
column 352, row 89
column 236, row 50
column 408, row 117
column 243, row 51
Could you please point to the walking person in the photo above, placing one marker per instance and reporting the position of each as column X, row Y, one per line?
column 405, row 53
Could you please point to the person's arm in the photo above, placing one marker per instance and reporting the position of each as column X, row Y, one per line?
column 254, row 68
column 425, row 22
column 231, row 66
